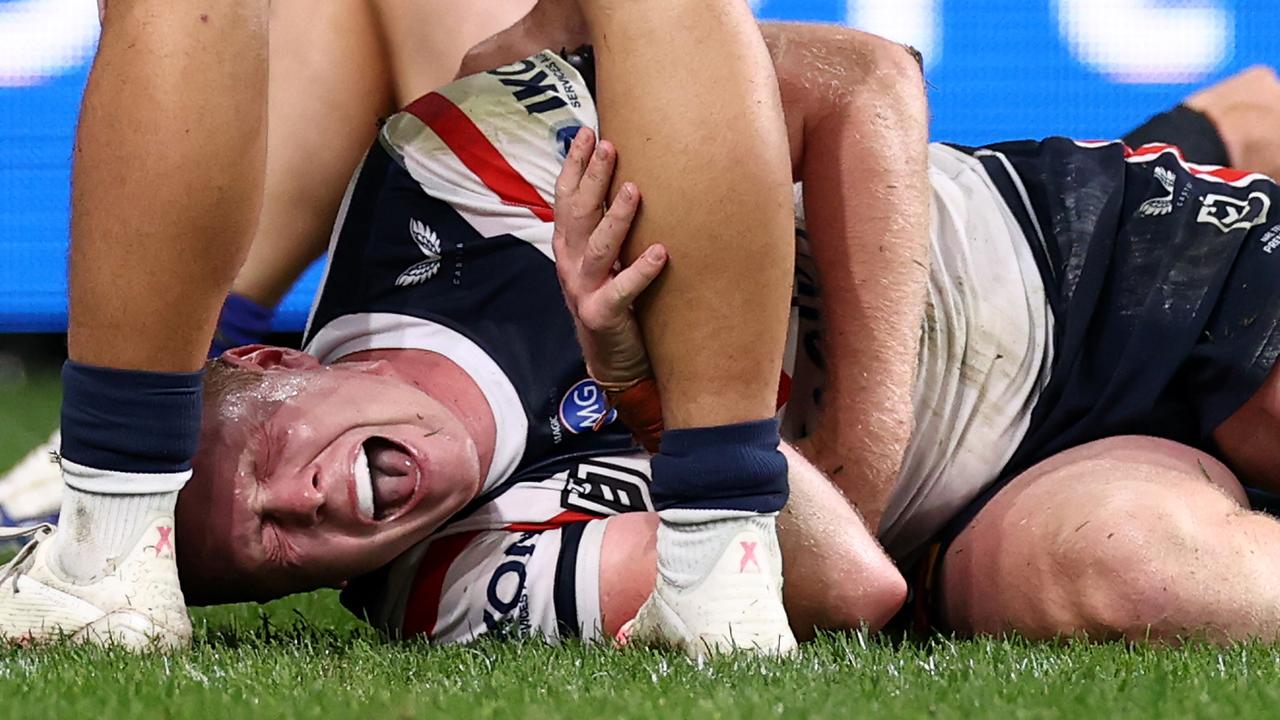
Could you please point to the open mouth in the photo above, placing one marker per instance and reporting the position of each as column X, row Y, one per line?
column 386, row 478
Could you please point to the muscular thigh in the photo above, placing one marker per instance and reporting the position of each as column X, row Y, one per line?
column 1052, row 552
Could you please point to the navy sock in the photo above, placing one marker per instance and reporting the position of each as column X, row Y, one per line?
column 729, row 467
column 242, row 322
column 128, row 421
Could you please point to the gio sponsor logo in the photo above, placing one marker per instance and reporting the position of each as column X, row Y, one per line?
column 585, row 409
column 429, row 243
column 1228, row 213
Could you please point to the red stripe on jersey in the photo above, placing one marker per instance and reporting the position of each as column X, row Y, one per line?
column 423, row 608
column 479, row 155
column 567, row 517
column 1152, row 150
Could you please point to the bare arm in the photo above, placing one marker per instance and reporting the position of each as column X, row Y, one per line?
column 857, row 121
column 836, row 576
column 1245, row 109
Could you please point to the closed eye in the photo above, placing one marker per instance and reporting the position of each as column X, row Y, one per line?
column 276, row 548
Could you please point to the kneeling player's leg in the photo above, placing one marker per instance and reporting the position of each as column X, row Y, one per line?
column 166, row 187
column 330, row 83
column 1130, row 537
column 718, row 195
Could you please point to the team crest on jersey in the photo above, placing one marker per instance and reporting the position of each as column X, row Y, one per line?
column 585, row 409
column 1163, row 204
column 429, row 243
column 605, row 488
column 1228, row 213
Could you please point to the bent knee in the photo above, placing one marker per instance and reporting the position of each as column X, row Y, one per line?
column 1129, row 573
column 1099, row 541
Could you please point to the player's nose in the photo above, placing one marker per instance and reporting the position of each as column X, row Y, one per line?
column 298, row 502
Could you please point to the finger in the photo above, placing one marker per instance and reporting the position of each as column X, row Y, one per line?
column 575, row 164
column 636, row 277
column 567, row 267
column 594, row 186
column 606, row 241
column 559, row 249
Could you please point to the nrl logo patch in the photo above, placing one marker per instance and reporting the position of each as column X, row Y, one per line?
column 429, row 243
column 604, row 488
column 1228, row 213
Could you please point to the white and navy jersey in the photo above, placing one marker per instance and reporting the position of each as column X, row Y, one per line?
column 444, row 244
column 1164, row 282
column 1163, row 278
column 523, row 560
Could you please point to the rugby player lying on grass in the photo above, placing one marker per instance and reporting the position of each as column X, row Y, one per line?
column 458, row 296
column 719, row 479
column 1038, row 322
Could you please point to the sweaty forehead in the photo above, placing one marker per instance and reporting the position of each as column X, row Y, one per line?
column 261, row 398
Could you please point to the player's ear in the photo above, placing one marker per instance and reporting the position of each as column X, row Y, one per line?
column 267, row 357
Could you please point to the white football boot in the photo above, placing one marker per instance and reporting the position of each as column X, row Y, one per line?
column 31, row 491
column 719, row 588
column 138, row 604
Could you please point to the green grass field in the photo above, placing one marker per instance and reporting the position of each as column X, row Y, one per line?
column 305, row 658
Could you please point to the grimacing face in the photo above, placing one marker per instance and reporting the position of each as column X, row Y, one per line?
column 309, row 475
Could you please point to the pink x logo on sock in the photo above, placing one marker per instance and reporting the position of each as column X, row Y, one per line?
column 748, row 556
column 165, row 541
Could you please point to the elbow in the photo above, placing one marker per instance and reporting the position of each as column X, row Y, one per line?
column 880, row 87
column 893, row 89
column 891, row 64
column 867, row 599
column 884, row 598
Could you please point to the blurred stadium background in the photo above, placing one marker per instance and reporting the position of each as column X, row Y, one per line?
column 998, row 69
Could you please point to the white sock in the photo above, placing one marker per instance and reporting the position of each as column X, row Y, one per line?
column 691, row 542
column 94, row 531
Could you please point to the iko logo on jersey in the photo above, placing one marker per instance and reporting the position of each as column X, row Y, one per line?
column 585, row 409
column 540, row 84
column 1228, row 213
column 429, row 243
column 604, row 488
